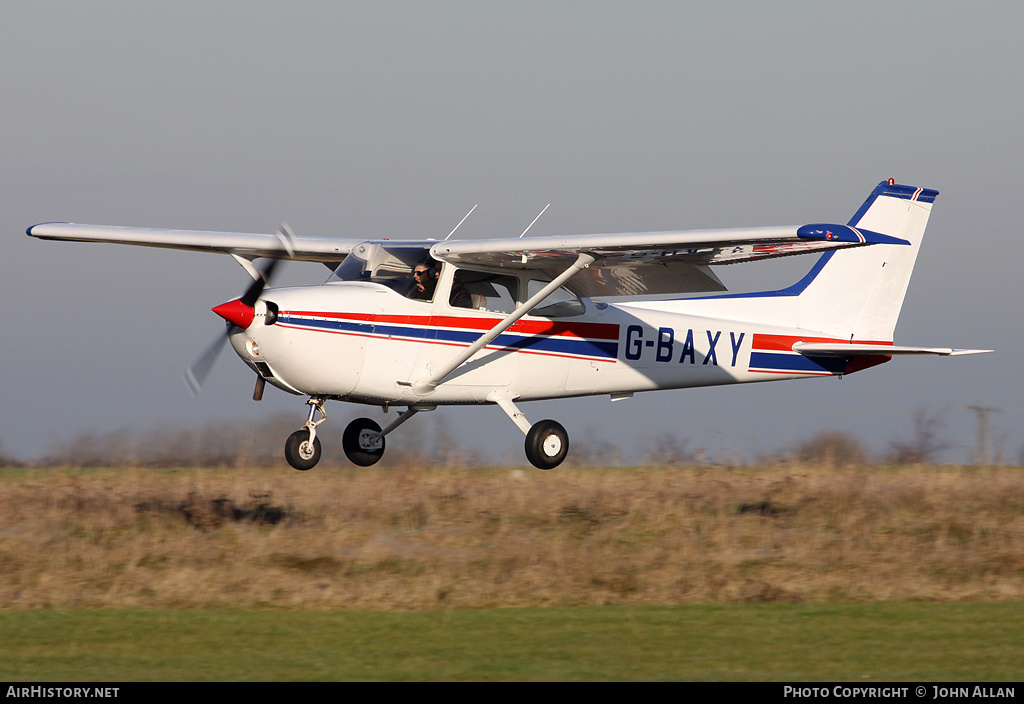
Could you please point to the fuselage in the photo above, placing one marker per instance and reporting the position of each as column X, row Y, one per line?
column 366, row 343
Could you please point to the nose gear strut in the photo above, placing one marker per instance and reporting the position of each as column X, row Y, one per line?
column 302, row 449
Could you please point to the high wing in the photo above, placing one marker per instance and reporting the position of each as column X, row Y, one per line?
column 654, row 262
column 625, row 264
column 327, row 250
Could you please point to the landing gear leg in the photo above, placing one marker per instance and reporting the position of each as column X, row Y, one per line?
column 302, row 450
column 547, row 443
column 363, row 440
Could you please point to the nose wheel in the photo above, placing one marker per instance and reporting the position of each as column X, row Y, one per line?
column 302, row 449
column 300, row 452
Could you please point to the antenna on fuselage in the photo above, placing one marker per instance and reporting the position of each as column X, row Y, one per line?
column 461, row 221
column 534, row 220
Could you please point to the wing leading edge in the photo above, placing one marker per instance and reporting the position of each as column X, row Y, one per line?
column 312, row 249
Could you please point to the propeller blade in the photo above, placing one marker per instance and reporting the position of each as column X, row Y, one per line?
column 196, row 374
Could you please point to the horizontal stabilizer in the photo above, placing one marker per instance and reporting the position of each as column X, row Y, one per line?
column 814, row 349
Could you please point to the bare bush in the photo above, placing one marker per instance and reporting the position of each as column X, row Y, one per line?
column 5, row 459
column 927, row 443
column 593, row 449
column 224, row 444
column 669, row 449
column 832, row 448
column 248, row 443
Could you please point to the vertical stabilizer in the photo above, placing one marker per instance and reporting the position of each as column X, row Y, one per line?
column 857, row 293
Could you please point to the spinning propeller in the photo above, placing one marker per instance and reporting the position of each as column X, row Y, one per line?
column 239, row 313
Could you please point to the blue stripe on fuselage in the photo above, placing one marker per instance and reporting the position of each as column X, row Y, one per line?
column 531, row 343
column 797, row 363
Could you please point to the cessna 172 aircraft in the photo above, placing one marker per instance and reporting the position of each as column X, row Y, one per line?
column 425, row 323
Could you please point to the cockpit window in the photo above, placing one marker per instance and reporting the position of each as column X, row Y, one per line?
column 390, row 265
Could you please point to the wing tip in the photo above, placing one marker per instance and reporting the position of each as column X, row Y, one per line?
column 30, row 228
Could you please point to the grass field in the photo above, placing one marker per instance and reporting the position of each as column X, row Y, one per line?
column 381, row 539
column 860, row 643
column 783, row 572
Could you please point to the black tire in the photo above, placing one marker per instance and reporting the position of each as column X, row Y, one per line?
column 298, row 453
column 353, row 442
column 547, row 444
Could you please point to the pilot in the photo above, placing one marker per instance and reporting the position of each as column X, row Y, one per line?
column 424, row 281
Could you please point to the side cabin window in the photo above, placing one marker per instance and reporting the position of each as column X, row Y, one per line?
column 479, row 290
column 560, row 304
column 502, row 293
column 407, row 270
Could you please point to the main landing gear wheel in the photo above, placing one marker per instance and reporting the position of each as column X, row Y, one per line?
column 547, row 444
column 359, row 443
column 300, row 452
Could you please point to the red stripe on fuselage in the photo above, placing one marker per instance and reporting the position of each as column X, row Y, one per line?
column 784, row 343
column 586, row 331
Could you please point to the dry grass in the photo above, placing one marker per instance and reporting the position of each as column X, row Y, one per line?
column 458, row 537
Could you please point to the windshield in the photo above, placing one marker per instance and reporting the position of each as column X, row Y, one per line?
column 391, row 265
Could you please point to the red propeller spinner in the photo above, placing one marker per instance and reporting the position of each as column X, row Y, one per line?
column 236, row 312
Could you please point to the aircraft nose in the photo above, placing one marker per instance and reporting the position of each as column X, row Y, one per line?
column 236, row 312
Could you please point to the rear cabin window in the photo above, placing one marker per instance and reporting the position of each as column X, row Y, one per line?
column 478, row 290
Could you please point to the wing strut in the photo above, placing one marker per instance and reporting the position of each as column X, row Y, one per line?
column 428, row 384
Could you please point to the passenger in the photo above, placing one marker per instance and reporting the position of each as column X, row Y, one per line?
column 460, row 298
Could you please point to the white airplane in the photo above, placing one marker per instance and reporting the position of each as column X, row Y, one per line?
column 425, row 323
